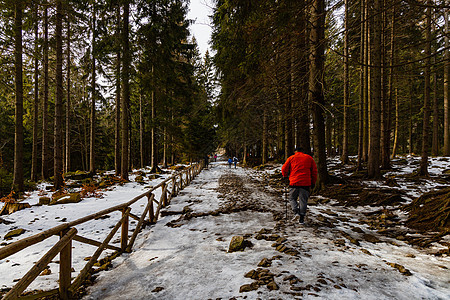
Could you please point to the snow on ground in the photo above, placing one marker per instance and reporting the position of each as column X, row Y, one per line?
column 190, row 260
column 40, row 218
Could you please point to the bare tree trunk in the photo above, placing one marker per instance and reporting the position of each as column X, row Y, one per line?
column 117, row 144
column 45, row 135
column 303, row 117
column 391, row 84
column 411, row 145
column 426, row 99
column 446, row 89
column 328, row 137
column 34, row 155
column 165, row 147
column 154, row 157
column 58, row 146
column 92, row 132
column 126, row 89
column 18, row 181
column 85, row 132
column 316, row 74
column 435, row 142
column 366, row 82
column 280, row 126
column 387, row 101
column 395, row 144
column 344, row 156
column 68, row 118
column 367, row 88
column 172, row 150
column 288, row 133
column 361, row 88
column 264, row 138
column 141, row 133
column 373, row 166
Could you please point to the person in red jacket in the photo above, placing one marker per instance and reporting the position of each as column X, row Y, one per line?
column 302, row 172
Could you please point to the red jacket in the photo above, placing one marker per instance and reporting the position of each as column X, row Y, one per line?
column 301, row 169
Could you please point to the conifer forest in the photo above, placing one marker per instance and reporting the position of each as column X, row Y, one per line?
column 100, row 85
column 136, row 162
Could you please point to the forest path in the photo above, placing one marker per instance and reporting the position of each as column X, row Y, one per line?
column 184, row 255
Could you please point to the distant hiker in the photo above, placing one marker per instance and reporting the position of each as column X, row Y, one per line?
column 206, row 161
column 230, row 161
column 215, row 157
column 302, row 172
column 235, row 160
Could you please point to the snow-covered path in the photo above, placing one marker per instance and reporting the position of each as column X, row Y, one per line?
column 184, row 255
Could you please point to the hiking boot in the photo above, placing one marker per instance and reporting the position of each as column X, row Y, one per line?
column 301, row 219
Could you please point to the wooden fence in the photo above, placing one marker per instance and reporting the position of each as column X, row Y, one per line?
column 67, row 232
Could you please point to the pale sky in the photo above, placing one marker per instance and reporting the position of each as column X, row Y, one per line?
column 199, row 11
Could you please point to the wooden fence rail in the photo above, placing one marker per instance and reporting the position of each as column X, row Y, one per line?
column 170, row 187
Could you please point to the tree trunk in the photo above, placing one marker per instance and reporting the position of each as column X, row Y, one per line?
column 395, row 144
column 423, row 171
column 58, row 135
column 34, row 155
column 85, row 132
column 154, row 157
column 361, row 88
column 280, row 127
column 126, row 89
column 141, row 133
column 435, row 142
column 172, row 152
column 366, row 82
column 45, row 136
column 18, row 181
column 387, row 103
column 303, row 117
column 316, row 74
column 446, row 89
column 373, row 166
column 344, row 156
column 264, row 138
column 165, row 147
column 328, row 137
column 410, row 132
column 117, row 145
column 391, row 89
column 288, row 133
column 68, row 117
column 92, row 121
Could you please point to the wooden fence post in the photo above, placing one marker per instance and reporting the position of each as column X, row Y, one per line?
column 150, row 210
column 181, row 181
column 124, row 235
column 65, row 268
column 37, row 268
column 163, row 198
column 174, row 187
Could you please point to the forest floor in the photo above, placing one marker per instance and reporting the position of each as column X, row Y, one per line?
column 355, row 243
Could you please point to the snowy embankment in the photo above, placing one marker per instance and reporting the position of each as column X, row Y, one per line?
column 184, row 255
column 39, row 218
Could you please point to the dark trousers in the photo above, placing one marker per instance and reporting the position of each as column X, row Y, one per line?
column 298, row 197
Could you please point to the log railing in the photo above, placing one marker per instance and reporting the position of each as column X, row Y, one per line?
column 67, row 232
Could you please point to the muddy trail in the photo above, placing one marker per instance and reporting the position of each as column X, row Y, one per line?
column 366, row 225
column 228, row 236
